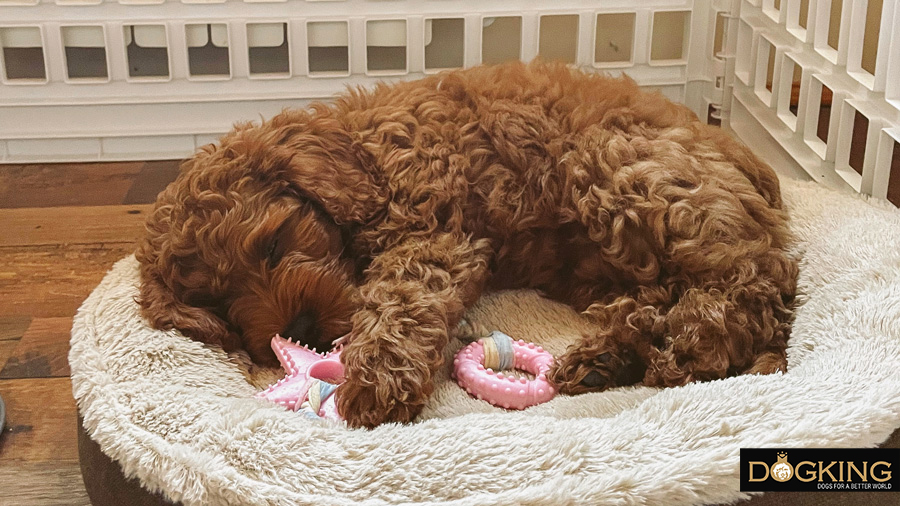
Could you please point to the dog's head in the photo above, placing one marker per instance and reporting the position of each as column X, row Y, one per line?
column 252, row 238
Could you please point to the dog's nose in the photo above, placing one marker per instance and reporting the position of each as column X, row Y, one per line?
column 593, row 380
column 303, row 329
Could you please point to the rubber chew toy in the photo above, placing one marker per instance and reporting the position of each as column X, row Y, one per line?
column 310, row 382
column 475, row 364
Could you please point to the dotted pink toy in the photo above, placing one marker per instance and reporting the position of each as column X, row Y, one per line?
column 475, row 364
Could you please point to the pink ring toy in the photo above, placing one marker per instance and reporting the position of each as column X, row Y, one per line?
column 504, row 390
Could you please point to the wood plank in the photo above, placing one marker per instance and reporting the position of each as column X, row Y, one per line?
column 72, row 225
column 153, row 178
column 69, row 184
column 45, row 484
column 50, row 260
column 43, row 352
column 6, row 349
column 6, row 176
column 41, row 423
column 12, row 328
column 53, row 281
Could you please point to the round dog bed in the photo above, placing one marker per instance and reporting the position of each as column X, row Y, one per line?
column 181, row 418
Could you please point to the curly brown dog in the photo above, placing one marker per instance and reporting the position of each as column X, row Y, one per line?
column 381, row 217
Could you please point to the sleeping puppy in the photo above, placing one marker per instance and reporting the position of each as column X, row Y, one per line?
column 376, row 220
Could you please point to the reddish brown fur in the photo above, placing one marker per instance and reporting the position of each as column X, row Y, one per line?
column 394, row 208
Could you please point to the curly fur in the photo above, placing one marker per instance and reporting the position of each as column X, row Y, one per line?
column 386, row 213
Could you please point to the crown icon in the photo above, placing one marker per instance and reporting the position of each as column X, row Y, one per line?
column 782, row 455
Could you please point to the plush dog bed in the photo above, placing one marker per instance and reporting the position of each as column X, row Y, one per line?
column 182, row 419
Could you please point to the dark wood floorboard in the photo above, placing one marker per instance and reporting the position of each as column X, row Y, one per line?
column 6, row 350
column 64, row 225
column 13, row 327
column 56, row 185
column 49, row 484
column 42, row 352
column 152, row 179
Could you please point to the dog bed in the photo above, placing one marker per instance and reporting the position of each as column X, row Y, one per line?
column 181, row 417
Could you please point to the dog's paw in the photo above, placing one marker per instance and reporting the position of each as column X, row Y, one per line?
column 370, row 406
column 377, row 392
column 578, row 371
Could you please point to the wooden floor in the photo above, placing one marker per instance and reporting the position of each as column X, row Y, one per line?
column 61, row 228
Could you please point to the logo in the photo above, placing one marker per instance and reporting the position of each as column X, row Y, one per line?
column 781, row 470
column 848, row 469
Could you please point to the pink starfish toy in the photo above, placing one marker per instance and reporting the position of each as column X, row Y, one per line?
column 310, row 381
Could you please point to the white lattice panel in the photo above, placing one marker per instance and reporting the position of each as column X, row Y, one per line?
column 92, row 80
column 820, row 84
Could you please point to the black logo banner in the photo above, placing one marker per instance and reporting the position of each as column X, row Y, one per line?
column 814, row 469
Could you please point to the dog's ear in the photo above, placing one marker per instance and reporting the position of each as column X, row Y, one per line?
column 164, row 298
column 326, row 164
column 165, row 311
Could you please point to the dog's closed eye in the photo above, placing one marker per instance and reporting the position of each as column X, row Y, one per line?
column 278, row 244
column 274, row 252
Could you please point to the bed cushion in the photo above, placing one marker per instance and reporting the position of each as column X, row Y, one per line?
column 181, row 417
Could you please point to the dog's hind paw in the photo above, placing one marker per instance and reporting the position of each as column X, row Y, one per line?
column 578, row 371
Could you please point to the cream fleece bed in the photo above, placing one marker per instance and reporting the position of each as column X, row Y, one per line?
column 182, row 418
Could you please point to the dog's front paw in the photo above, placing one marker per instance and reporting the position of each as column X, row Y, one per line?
column 377, row 392
column 579, row 370
column 366, row 406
